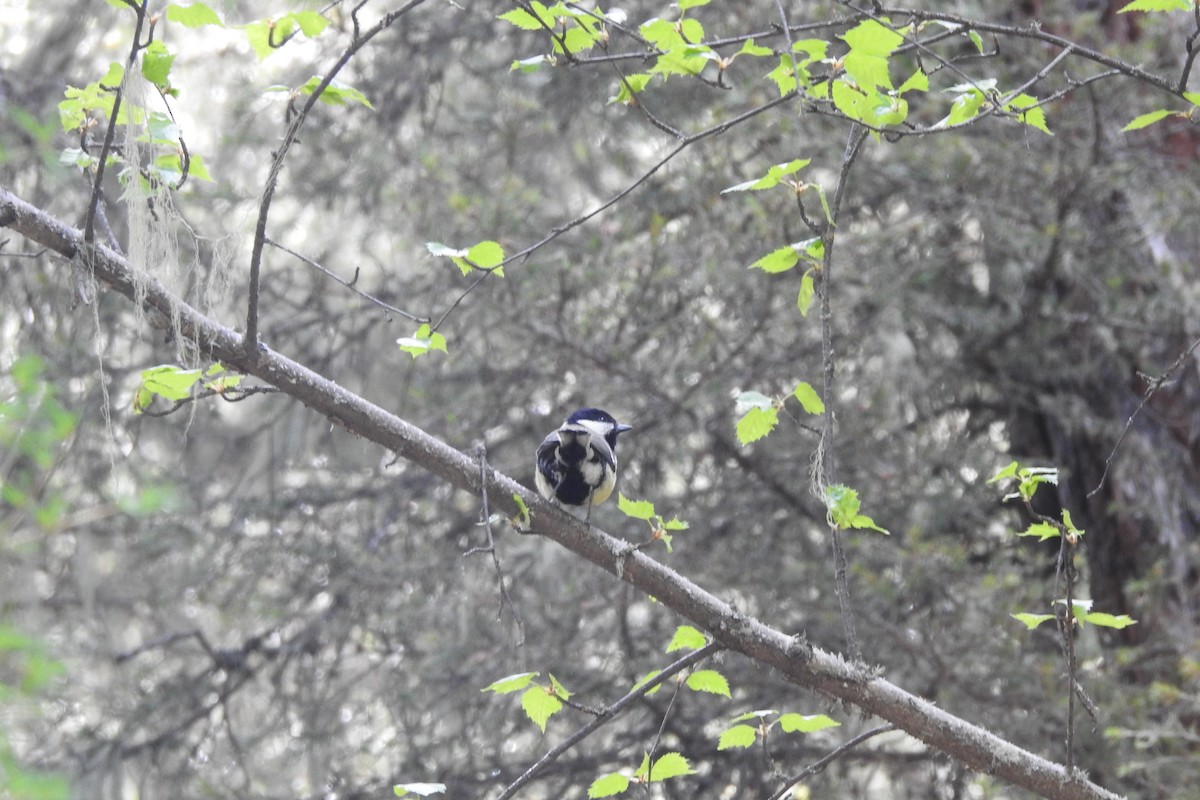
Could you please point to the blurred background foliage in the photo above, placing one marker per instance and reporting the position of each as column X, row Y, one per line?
column 246, row 602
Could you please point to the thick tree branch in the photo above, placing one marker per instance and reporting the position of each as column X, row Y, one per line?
column 799, row 663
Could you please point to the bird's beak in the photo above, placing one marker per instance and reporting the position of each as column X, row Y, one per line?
column 621, row 428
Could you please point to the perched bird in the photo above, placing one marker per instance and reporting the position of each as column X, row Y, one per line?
column 577, row 464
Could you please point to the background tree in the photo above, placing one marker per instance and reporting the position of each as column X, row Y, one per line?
column 247, row 600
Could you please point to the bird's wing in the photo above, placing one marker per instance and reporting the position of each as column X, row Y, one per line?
column 602, row 450
column 547, row 458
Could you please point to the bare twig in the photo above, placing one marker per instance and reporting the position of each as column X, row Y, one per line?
column 821, row 763
column 89, row 222
column 260, row 229
column 485, row 521
column 348, row 284
column 607, row 714
column 827, row 455
column 1155, row 385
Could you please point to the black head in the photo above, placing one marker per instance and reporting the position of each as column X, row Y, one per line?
column 602, row 420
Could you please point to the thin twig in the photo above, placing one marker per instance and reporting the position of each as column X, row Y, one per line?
column 1155, row 385
column 608, row 714
column 715, row 130
column 827, row 454
column 260, row 229
column 485, row 521
column 348, row 284
column 89, row 224
column 821, row 763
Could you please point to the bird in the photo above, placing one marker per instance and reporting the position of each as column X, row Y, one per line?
column 577, row 463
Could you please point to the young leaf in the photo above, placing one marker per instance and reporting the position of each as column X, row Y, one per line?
column 649, row 676
column 742, row 736
column 486, row 254
column 671, row 765
column 1008, row 472
column 684, row 5
column 171, row 382
column 807, row 292
column 156, row 64
column 776, row 261
column 560, row 691
column 1031, row 621
column 636, row 509
column 510, row 683
column 608, row 785
column 196, row 15
column 539, row 705
column 748, row 400
column 420, row 789
column 709, row 680
column 1029, row 112
column 749, row 48
column 1042, row 530
column 808, row 397
column 528, row 22
column 760, row 714
column 1157, row 5
column 756, row 423
column 686, row 638
column 422, row 342
column 1109, row 620
column 802, row 723
column 1147, row 119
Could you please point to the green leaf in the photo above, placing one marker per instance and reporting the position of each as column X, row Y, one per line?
column 486, row 254
column 540, row 704
column 749, row 48
column 1042, row 530
column 675, row 524
column 709, row 680
column 777, row 261
column 1109, row 620
column 422, row 342
column 156, row 64
column 1147, row 119
column 774, row 175
column 806, row 723
column 1031, row 621
column 532, row 64
column 1157, row 5
column 575, row 40
column 917, row 82
column 843, row 505
column 1007, row 472
column 631, row 85
column 195, row 15
column 976, row 39
column 528, row 22
column 756, row 423
column 684, row 5
column 671, row 765
column 649, row 676
column 807, row 293
column 608, row 785
column 511, row 683
column 871, row 43
column 1192, row 97
column 422, row 789
column 636, row 509
column 336, row 93
column 691, row 30
column 686, row 638
column 741, row 736
column 171, row 382
column 311, row 23
column 1070, row 524
column 808, row 397
column 560, row 691
column 1029, row 112
column 965, row 107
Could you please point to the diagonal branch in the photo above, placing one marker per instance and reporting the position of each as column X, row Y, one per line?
column 796, row 661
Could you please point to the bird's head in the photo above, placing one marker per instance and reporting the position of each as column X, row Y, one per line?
column 598, row 422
